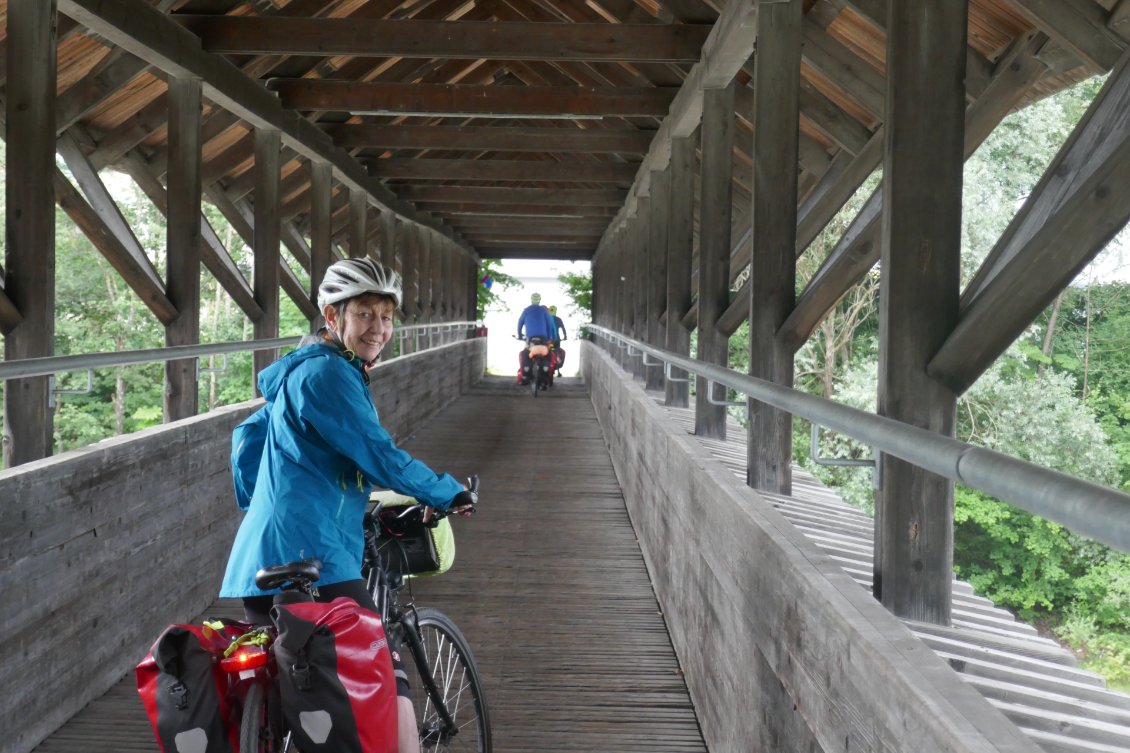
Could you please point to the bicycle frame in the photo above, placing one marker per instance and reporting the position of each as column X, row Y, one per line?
column 385, row 588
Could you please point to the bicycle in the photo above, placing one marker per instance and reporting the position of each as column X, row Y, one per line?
column 446, row 688
column 540, row 363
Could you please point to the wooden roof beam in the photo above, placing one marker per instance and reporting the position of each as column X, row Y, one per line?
column 10, row 316
column 152, row 36
column 469, row 40
column 1081, row 27
column 493, row 250
column 212, row 252
column 862, row 83
column 137, row 275
column 1072, row 213
column 859, row 248
column 492, row 195
column 467, row 209
column 726, row 50
column 533, row 171
column 473, row 229
column 491, row 138
column 457, row 100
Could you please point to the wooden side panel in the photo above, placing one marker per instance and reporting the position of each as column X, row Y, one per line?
column 756, row 612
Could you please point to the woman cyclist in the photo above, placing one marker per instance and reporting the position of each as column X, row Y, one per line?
column 325, row 450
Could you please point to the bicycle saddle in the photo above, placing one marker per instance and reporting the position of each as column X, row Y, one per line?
column 270, row 578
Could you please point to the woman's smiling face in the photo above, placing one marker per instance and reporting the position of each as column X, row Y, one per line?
column 365, row 325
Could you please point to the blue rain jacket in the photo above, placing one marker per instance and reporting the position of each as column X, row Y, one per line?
column 538, row 322
column 325, row 449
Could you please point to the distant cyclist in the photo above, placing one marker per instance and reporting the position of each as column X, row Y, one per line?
column 325, row 449
column 559, row 334
column 535, row 321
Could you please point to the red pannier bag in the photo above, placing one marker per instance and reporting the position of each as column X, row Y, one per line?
column 184, row 691
column 336, row 680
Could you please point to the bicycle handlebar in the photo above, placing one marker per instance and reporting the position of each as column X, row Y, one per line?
column 469, row 497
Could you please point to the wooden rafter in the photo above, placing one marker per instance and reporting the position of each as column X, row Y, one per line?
column 215, row 257
column 466, row 100
column 858, row 250
column 109, row 243
column 153, row 37
column 455, row 210
column 111, row 220
column 1074, row 211
column 471, row 40
column 10, row 316
column 1080, row 26
column 504, row 170
column 491, row 138
column 491, row 195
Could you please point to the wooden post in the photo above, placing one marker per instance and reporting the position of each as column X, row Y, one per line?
column 919, row 291
column 266, row 245
column 680, row 248
column 447, row 299
column 715, row 217
column 358, row 213
column 425, row 276
column 641, row 252
column 629, row 282
column 410, row 261
column 388, row 239
column 182, row 285
column 776, row 118
column 656, row 332
column 321, row 229
column 29, row 265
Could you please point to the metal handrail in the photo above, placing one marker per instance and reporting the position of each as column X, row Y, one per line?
column 32, row 367
column 1082, row 506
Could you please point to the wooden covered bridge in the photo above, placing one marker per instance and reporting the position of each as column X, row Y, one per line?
column 642, row 577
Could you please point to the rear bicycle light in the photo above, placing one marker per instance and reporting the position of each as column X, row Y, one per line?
column 244, row 658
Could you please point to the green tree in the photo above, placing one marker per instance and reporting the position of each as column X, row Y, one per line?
column 486, row 297
column 578, row 287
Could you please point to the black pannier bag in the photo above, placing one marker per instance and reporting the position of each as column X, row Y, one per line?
column 186, row 694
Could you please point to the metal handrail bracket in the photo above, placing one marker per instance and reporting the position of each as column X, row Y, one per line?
column 724, row 403
column 667, row 373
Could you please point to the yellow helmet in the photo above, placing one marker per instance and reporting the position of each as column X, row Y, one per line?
column 535, row 298
column 553, row 309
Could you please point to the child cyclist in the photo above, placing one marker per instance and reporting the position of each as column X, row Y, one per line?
column 325, row 450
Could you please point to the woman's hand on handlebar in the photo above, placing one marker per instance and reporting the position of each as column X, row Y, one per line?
column 462, row 503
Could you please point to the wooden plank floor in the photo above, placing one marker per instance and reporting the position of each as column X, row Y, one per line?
column 548, row 585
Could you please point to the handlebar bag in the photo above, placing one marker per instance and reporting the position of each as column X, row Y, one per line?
column 184, row 691
column 336, row 682
column 406, row 545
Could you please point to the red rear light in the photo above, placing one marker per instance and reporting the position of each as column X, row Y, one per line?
column 246, row 657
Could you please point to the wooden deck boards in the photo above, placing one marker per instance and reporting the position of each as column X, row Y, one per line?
column 549, row 587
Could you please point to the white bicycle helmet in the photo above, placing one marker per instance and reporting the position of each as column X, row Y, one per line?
column 348, row 278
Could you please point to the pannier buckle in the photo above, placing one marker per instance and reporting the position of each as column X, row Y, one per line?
column 180, row 695
column 300, row 673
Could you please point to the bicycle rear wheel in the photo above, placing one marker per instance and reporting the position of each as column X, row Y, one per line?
column 450, row 664
column 252, row 728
